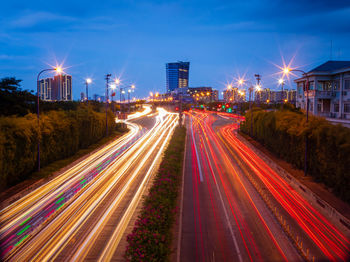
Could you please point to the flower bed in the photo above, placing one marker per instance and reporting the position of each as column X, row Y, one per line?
column 151, row 237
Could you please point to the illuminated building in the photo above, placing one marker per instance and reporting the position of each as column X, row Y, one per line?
column 58, row 88
column 177, row 75
column 329, row 90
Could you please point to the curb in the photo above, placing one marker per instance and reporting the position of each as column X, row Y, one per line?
column 178, row 252
column 321, row 205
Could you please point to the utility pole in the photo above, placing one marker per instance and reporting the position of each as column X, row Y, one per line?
column 251, row 111
column 258, row 78
column 107, row 84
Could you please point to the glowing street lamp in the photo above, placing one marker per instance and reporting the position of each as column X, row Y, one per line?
column 87, row 82
column 58, row 70
column 281, row 82
column 241, row 82
column 286, row 71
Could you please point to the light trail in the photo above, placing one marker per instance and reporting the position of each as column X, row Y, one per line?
column 75, row 197
column 147, row 110
column 204, row 122
column 333, row 243
column 110, row 248
column 40, row 204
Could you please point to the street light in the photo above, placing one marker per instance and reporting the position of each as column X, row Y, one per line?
column 129, row 91
column 286, row 71
column 107, row 98
column 241, row 83
column 58, row 69
column 281, row 82
column 87, row 82
column 113, row 87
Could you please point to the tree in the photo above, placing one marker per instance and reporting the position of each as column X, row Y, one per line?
column 13, row 100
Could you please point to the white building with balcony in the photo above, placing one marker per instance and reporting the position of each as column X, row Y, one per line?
column 329, row 90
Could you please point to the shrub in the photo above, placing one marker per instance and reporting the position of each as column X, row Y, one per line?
column 284, row 132
column 62, row 134
column 151, row 237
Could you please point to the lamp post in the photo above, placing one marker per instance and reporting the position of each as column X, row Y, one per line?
column 58, row 70
column 287, row 70
column 258, row 89
column 129, row 91
column 87, row 82
column 250, row 89
column 107, row 84
column 281, row 82
column 113, row 87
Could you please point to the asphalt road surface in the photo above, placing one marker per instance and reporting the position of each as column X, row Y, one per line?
column 236, row 208
column 83, row 213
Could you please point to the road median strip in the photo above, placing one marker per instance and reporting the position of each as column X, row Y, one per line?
column 151, row 237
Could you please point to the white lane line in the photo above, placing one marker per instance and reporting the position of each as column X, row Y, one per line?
column 195, row 148
column 182, row 200
column 225, row 211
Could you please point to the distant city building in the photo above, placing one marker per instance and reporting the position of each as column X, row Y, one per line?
column 234, row 95
column 45, row 89
column 329, row 90
column 268, row 96
column 82, row 96
column 203, row 94
column 262, row 96
column 58, row 88
column 177, row 75
column 292, row 96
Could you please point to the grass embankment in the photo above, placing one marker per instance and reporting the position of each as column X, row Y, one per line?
column 151, row 237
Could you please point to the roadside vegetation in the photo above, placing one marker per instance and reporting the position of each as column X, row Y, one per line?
column 151, row 237
column 65, row 128
column 283, row 132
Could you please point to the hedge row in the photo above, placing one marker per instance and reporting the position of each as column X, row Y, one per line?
column 62, row 134
column 151, row 237
column 284, row 132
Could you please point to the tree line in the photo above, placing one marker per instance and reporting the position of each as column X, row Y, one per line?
column 65, row 127
column 283, row 132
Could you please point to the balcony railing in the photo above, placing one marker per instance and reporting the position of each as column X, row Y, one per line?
column 321, row 94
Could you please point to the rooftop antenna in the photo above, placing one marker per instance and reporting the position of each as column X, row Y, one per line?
column 331, row 49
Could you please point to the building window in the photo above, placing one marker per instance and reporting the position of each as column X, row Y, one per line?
column 311, row 85
column 319, row 107
column 336, row 85
column 347, row 108
column 336, row 107
column 347, row 84
column 327, row 86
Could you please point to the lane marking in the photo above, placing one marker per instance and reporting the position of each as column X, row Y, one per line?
column 228, row 220
column 195, row 148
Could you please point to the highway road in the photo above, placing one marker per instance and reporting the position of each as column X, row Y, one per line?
column 236, row 208
column 83, row 213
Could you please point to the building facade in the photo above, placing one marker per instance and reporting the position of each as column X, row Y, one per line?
column 268, row 96
column 329, row 90
column 203, row 94
column 45, row 89
column 58, row 88
column 177, row 75
column 234, row 95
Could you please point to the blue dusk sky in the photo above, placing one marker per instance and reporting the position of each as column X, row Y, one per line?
column 223, row 40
